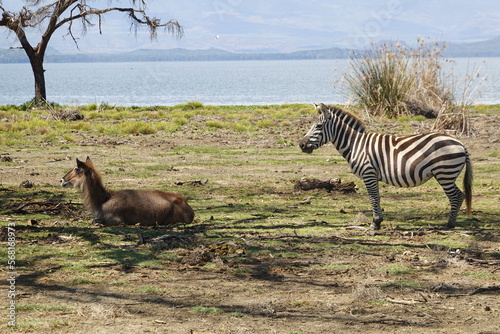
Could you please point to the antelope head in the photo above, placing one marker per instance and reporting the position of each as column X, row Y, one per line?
column 76, row 176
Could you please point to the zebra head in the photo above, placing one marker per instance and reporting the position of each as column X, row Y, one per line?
column 316, row 136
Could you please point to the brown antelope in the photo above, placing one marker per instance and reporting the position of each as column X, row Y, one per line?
column 126, row 207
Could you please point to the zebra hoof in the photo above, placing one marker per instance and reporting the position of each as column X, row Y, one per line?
column 375, row 226
column 449, row 226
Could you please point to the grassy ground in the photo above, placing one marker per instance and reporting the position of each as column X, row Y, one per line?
column 260, row 255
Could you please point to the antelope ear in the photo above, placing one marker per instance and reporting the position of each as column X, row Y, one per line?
column 80, row 164
column 88, row 163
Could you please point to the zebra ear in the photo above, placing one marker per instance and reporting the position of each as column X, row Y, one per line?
column 321, row 108
column 318, row 107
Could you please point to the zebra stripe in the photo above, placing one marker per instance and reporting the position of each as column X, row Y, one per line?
column 402, row 161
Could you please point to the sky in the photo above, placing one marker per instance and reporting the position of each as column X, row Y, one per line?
column 282, row 26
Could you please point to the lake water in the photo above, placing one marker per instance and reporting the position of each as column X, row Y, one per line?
column 210, row 82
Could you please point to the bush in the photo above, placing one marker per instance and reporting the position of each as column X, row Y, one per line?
column 191, row 105
column 89, row 107
column 138, row 127
column 392, row 79
column 381, row 80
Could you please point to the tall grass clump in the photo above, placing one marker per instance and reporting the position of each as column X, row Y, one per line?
column 454, row 117
column 392, row 80
column 137, row 127
column 380, row 80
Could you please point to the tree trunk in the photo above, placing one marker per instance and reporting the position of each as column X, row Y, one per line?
column 36, row 54
column 36, row 61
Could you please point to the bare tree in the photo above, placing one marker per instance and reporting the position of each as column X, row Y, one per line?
column 56, row 14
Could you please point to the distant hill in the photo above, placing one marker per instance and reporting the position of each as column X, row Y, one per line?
column 18, row 56
column 489, row 48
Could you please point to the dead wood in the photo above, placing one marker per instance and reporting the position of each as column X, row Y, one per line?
column 485, row 289
column 40, row 207
column 163, row 239
column 316, row 238
column 491, row 262
column 192, row 182
column 402, row 301
column 459, row 255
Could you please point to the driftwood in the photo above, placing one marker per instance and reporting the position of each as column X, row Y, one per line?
column 192, row 182
column 329, row 185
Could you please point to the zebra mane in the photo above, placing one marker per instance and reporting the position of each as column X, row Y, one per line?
column 347, row 117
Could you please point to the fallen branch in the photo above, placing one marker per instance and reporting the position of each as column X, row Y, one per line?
column 328, row 185
column 485, row 289
column 402, row 301
column 50, row 207
column 192, row 182
column 165, row 237
column 491, row 262
column 357, row 227
column 458, row 255
column 161, row 239
column 296, row 236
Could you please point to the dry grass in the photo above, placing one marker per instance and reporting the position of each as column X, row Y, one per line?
column 274, row 254
column 454, row 120
column 102, row 311
column 394, row 80
column 365, row 293
column 380, row 80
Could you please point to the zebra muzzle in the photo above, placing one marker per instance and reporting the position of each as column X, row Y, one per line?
column 305, row 146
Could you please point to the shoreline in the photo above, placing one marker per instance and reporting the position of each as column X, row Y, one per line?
column 199, row 104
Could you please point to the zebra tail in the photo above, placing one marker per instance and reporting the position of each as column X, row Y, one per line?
column 468, row 186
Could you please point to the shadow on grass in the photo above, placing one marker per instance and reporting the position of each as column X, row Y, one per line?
column 277, row 270
column 254, row 222
column 136, row 303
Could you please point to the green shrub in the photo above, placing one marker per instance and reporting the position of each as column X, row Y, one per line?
column 191, row 105
column 138, row 127
column 216, row 124
column 89, row 107
column 265, row 123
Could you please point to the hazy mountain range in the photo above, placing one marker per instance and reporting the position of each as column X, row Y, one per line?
column 488, row 48
column 274, row 28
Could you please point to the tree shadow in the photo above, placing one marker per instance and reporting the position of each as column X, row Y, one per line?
column 126, row 258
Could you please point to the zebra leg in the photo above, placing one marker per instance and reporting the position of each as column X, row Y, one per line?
column 371, row 184
column 456, row 198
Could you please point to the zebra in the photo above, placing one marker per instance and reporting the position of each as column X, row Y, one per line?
column 402, row 161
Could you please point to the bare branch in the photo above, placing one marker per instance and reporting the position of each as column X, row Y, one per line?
column 138, row 17
column 12, row 22
column 81, row 11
